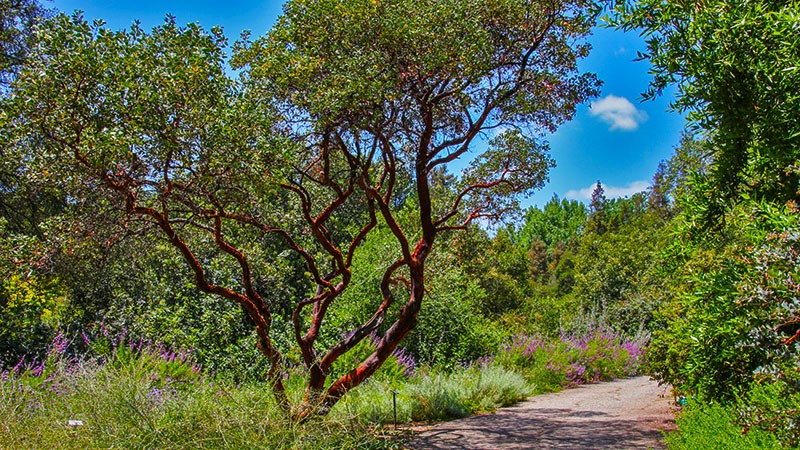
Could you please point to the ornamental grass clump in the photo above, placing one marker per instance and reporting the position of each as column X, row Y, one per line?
column 433, row 395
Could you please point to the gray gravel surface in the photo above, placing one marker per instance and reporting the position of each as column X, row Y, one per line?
column 623, row 414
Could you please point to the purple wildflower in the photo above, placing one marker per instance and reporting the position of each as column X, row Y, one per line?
column 156, row 396
column 86, row 339
column 485, row 361
column 59, row 345
column 406, row 361
column 18, row 368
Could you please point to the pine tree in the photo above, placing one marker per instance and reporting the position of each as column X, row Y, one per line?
column 597, row 210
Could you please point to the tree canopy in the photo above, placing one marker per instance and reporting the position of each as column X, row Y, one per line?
column 345, row 111
column 17, row 21
column 733, row 64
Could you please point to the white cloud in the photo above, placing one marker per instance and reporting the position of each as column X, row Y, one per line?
column 610, row 191
column 618, row 112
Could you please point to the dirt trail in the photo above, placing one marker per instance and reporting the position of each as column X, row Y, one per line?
column 624, row 414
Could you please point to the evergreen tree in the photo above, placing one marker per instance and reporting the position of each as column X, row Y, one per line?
column 597, row 210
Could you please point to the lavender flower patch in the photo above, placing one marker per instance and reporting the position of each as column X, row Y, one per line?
column 571, row 360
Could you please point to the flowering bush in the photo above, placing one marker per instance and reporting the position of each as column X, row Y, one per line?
column 571, row 360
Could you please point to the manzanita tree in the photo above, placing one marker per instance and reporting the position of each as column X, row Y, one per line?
column 346, row 111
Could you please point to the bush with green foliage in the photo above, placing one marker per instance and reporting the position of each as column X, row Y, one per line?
column 733, row 327
column 772, row 407
column 736, row 312
column 452, row 331
column 30, row 312
column 713, row 426
column 452, row 328
column 545, row 315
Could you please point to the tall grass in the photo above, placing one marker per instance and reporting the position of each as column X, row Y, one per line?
column 142, row 395
column 149, row 398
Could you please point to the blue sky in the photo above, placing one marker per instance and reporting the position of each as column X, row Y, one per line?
column 618, row 140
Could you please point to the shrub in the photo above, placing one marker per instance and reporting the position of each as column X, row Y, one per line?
column 713, row 426
column 571, row 360
column 451, row 330
column 437, row 396
column 773, row 406
column 488, row 387
column 30, row 312
column 735, row 319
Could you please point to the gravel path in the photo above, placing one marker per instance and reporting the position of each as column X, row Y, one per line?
column 623, row 414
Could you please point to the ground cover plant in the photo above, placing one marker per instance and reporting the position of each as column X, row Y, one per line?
column 713, row 426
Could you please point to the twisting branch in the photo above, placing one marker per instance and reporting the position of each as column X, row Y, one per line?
column 251, row 301
column 466, row 191
column 498, row 96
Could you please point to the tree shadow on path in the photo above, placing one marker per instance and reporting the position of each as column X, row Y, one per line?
column 529, row 426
